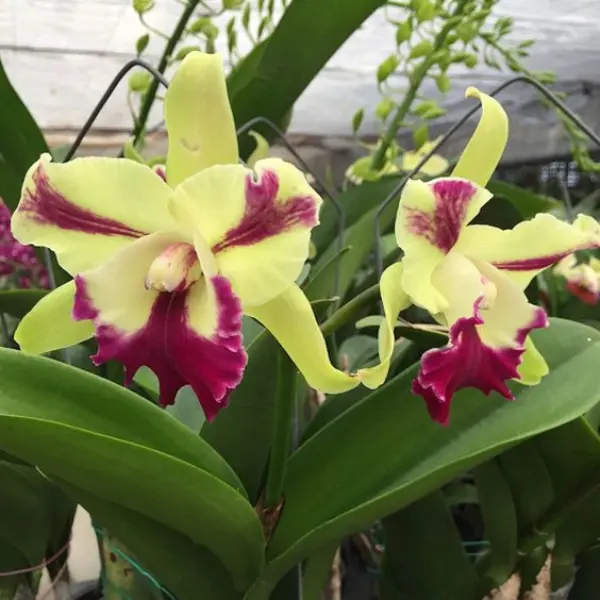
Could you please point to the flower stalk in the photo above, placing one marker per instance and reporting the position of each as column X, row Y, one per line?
column 416, row 80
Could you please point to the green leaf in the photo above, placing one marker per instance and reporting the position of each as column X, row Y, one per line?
column 287, row 64
column 241, row 434
column 421, row 135
column 420, row 455
column 528, row 203
column 422, row 48
column 587, row 577
column 35, row 388
column 142, row 43
column 357, row 120
column 387, row 67
column 500, row 521
column 356, row 201
column 181, row 566
column 21, row 141
column 183, row 497
column 424, row 555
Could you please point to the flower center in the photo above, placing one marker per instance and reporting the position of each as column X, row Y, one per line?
column 174, row 269
column 490, row 294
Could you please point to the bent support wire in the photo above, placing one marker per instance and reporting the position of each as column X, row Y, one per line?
column 518, row 79
column 331, row 193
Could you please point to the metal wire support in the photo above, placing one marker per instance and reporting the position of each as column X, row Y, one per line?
column 136, row 62
column 332, row 193
column 558, row 104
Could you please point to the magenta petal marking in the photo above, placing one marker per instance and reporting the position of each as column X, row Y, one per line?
column 467, row 362
column 46, row 206
column 533, row 264
column 442, row 228
column 177, row 354
column 265, row 216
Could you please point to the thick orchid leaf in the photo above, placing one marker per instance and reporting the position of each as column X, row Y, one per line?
column 420, row 455
column 241, row 434
column 171, row 557
column 528, row 203
column 282, row 70
column 424, row 555
column 21, row 141
column 17, row 303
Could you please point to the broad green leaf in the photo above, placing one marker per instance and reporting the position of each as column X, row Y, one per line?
column 287, row 64
column 21, row 141
column 499, row 520
column 587, row 577
column 424, row 555
column 530, row 483
column 166, row 489
column 183, row 567
column 420, row 455
column 241, row 434
column 45, row 390
column 528, row 203
column 355, row 201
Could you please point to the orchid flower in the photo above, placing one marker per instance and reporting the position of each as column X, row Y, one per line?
column 435, row 165
column 165, row 264
column 582, row 279
column 471, row 278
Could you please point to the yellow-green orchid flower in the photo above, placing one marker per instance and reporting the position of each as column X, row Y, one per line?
column 472, row 277
column 582, row 279
column 436, row 165
column 166, row 261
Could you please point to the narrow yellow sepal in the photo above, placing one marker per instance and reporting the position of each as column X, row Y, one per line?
column 49, row 325
column 486, row 146
column 290, row 318
column 395, row 300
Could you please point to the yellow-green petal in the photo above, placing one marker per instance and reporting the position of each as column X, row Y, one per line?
column 290, row 318
column 533, row 366
column 484, row 150
column 198, row 116
column 395, row 300
column 49, row 325
column 89, row 208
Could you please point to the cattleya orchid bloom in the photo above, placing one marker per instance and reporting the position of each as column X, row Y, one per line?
column 165, row 262
column 582, row 279
column 471, row 278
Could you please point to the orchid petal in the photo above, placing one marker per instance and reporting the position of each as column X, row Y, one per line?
column 394, row 301
column 480, row 158
column 290, row 319
column 258, row 227
column 50, row 326
column 533, row 366
column 188, row 337
column 431, row 218
column 89, row 208
column 199, row 120
column 260, row 152
column 530, row 247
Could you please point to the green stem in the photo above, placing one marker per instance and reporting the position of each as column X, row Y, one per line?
column 170, row 46
column 346, row 312
column 282, row 429
column 415, row 83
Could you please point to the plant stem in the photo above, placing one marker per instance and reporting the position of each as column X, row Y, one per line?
column 282, row 429
column 170, row 46
column 415, row 83
column 348, row 310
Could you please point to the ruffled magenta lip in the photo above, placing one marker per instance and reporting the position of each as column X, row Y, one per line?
column 213, row 367
column 265, row 216
column 47, row 206
column 467, row 362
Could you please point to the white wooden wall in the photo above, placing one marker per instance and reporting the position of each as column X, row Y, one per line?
column 61, row 54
